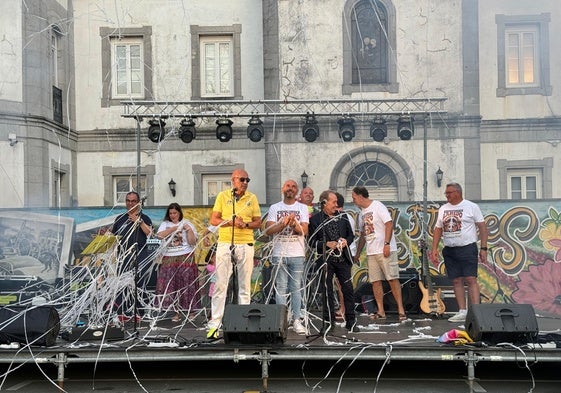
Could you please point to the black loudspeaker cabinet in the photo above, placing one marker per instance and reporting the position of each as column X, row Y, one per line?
column 255, row 324
column 34, row 326
column 410, row 292
column 497, row 322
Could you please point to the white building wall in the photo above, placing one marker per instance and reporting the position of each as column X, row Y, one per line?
column 517, row 106
column 171, row 49
column 428, row 50
column 11, row 82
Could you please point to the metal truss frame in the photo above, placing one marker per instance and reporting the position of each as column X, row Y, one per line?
column 283, row 108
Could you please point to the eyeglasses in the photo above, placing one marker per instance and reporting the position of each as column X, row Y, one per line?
column 244, row 179
column 131, row 201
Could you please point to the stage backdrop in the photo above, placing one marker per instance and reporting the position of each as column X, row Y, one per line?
column 523, row 266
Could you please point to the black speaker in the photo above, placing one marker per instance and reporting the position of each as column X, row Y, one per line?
column 496, row 322
column 258, row 324
column 410, row 293
column 33, row 326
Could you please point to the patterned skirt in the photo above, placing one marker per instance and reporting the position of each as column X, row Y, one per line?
column 178, row 283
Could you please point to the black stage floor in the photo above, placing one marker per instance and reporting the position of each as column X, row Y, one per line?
column 161, row 339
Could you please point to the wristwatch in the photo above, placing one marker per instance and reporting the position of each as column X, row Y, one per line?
column 483, row 248
column 386, row 243
column 247, row 225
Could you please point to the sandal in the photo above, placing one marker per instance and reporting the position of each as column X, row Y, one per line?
column 377, row 316
column 402, row 317
column 176, row 318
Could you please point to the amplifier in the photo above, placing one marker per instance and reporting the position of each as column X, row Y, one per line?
column 19, row 283
column 410, row 292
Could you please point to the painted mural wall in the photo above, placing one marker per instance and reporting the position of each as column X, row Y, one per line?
column 523, row 266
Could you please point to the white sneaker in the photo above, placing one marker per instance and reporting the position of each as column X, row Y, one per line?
column 460, row 316
column 298, row 327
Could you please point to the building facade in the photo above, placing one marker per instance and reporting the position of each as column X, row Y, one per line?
column 65, row 139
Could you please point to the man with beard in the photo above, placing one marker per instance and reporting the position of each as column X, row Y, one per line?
column 287, row 222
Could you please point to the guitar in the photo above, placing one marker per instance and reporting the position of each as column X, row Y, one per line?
column 431, row 302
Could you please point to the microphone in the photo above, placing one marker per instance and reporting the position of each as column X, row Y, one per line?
column 234, row 190
column 323, row 202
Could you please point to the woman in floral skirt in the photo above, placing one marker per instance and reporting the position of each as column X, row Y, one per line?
column 178, row 275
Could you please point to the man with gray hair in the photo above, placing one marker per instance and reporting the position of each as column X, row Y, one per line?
column 458, row 224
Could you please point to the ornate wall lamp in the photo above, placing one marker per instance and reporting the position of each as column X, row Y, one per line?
column 171, row 185
column 304, row 178
column 439, row 176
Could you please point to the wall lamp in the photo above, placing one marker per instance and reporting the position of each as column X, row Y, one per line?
column 224, row 129
column 346, row 128
column 405, row 128
column 171, row 185
column 304, row 178
column 378, row 129
column 255, row 129
column 310, row 131
column 157, row 130
column 187, row 131
column 439, row 176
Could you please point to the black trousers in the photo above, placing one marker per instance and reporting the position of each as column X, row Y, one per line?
column 342, row 270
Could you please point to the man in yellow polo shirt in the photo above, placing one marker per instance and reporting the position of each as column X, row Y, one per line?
column 236, row 213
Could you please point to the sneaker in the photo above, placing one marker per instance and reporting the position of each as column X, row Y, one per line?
column 298, row 327
column 460, row 316
column 212, row 333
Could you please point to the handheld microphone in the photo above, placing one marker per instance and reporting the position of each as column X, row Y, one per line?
column 234, row 190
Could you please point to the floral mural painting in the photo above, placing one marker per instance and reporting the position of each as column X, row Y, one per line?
column 523, row 266
column 540, row 284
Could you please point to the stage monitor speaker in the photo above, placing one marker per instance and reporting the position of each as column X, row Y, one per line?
column 257, row 324
column 33, row 326
column 496, row 322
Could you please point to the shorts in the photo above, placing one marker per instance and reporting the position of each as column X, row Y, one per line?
column 382, row 268
column 461, row 261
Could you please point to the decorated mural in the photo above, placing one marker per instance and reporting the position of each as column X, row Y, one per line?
column 523, row 266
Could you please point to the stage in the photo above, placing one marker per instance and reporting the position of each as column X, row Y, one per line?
column 158, row 338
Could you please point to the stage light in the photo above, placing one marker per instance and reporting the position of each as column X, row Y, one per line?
column 255, row 129
column 346, row 128
column 405, row 129
column 378, row 130
column 187, row 131
column 224, row 129
column 157, row 130
column 310, row 131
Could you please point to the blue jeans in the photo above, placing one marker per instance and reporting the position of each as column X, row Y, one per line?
column 287, row 276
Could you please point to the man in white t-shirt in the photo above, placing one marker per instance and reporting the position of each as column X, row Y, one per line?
column 287, row 222
column 376, row 231
column 458, row 224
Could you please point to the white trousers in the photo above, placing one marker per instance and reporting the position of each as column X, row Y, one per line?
column 243, row 257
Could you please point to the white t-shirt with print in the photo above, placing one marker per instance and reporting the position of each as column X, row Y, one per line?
column 372, row 223
column 458, row 223
column 287, row 243
column 177, row 242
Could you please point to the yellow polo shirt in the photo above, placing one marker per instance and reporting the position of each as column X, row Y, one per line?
column 246, row 207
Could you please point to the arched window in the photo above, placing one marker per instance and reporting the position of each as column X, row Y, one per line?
column 385, row 174
column 369, row 41
column 369, row 25
column 378, row 178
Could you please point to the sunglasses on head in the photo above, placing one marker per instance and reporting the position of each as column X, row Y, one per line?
column 244, row 179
